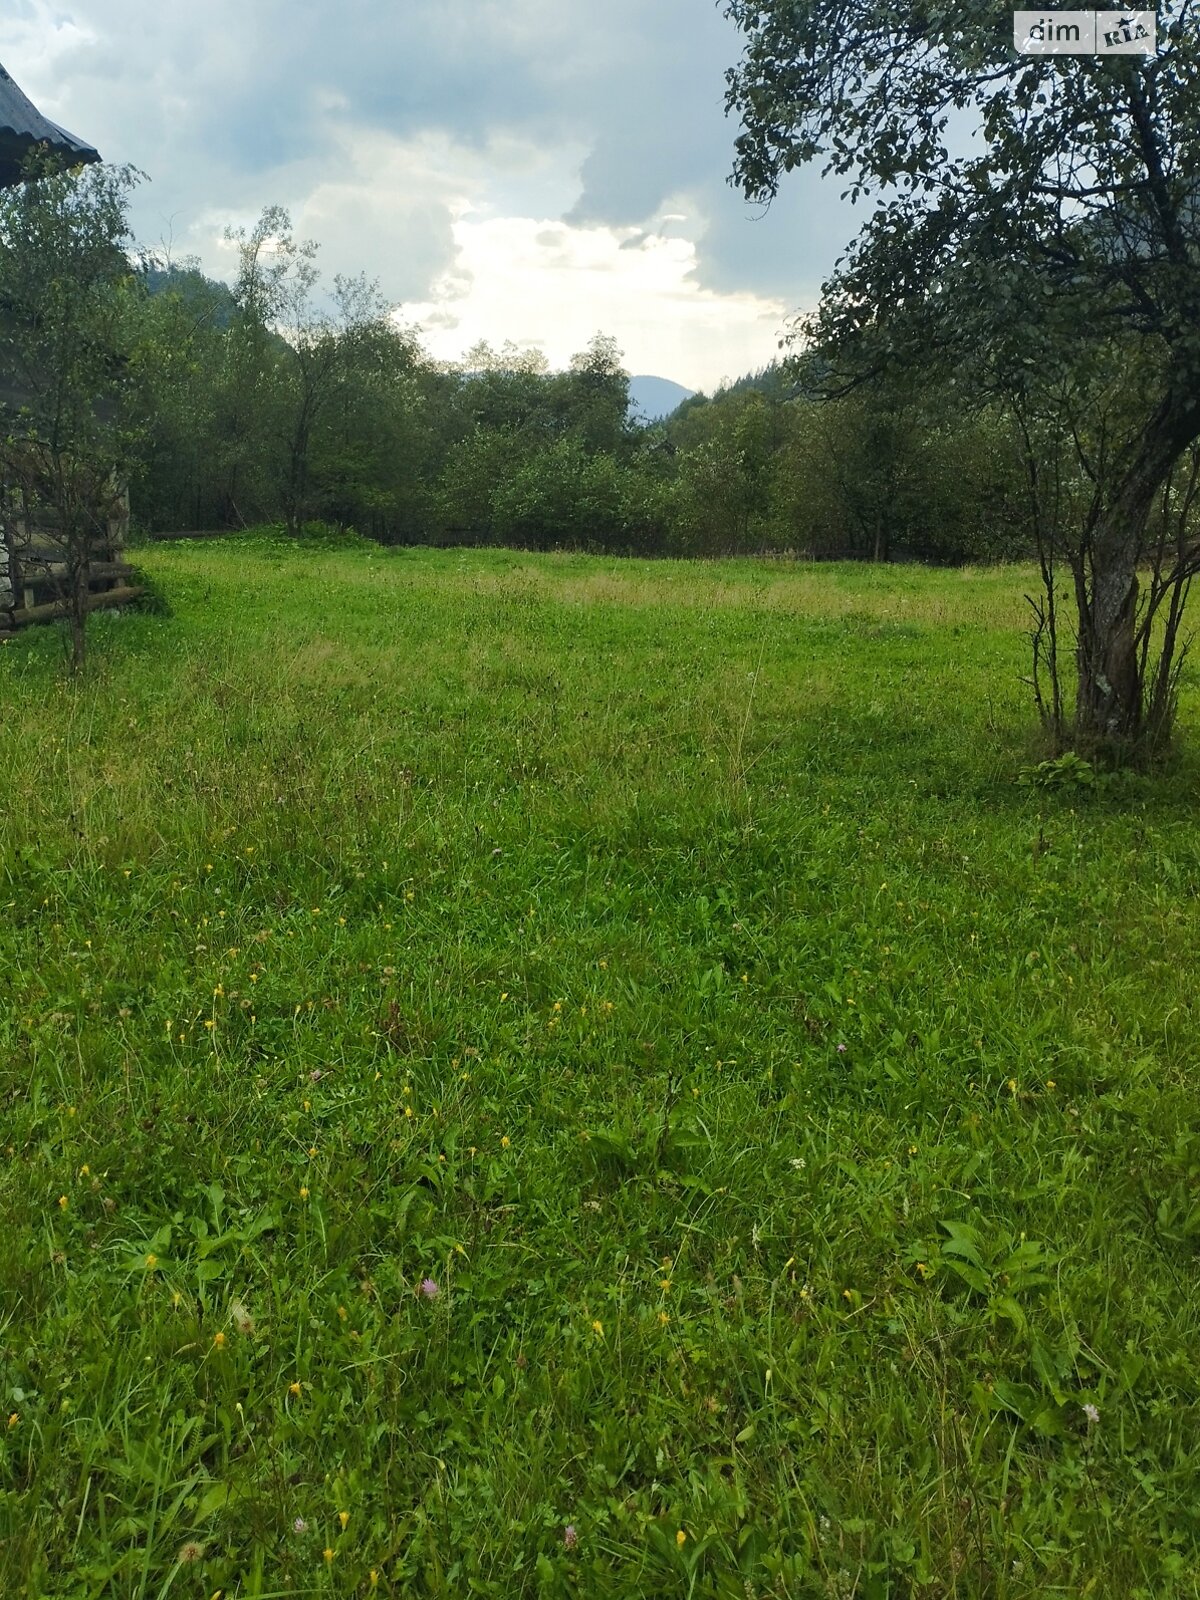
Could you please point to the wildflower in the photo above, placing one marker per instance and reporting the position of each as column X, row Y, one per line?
column 429, row 1289
column 304, row 1191
column 13, row 1418
column 504, row 1143
column 242, row 1320
column 598, row 1329
column 328, row 1554
column 299, row 1526
column 681, row 1538
column 62, row 1202
column 841, row 1049
column 373, row 1578
column 1092, row 1415
column 294, row 1389
column 570, row 1536
column 190, row 1553
column 219, row 1341
column 343, row 1518
column 151, row 1261
column 664, row 1318
column 85, row 1171
column 664, row 1284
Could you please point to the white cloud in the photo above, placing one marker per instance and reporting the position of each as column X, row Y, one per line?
column 545, row 283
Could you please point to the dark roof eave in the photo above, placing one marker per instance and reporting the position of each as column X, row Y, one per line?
column 23, row 128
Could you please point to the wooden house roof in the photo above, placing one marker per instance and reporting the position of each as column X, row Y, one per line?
column 22, row 126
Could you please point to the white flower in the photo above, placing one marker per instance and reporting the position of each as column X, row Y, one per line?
column 1092, row 1414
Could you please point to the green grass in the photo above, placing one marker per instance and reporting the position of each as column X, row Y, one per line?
column 797, row 1116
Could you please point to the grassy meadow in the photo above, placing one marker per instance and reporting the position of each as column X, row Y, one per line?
column 549, row 1076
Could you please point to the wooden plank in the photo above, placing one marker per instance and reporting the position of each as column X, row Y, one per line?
column 61, row 608
column 38, row 570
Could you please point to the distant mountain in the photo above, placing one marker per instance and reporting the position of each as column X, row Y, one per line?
column 652, row 398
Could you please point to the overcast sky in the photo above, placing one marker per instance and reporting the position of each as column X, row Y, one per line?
column 534, row 170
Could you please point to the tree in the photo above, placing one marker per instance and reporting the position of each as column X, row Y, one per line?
column 290, row 345
column 722, row 487
column 178, row 366
column 1071, row 227
column 372, row 443
column 66, row 293
column 593, row 396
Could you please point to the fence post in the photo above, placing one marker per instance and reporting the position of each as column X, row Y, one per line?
column 7, row 598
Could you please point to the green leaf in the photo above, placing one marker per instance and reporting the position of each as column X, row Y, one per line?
column 963, row 1241
column 217, row 1497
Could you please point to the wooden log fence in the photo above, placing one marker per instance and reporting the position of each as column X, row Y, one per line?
column 34, row 573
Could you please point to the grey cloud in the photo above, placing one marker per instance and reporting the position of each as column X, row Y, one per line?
column 238, row 103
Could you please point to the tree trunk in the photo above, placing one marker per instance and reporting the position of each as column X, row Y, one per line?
column 883, row 543
column 1110, row 701
column 1108, row 705
column 78, row 579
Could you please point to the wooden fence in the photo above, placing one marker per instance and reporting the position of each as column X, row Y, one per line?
column 34, row 571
